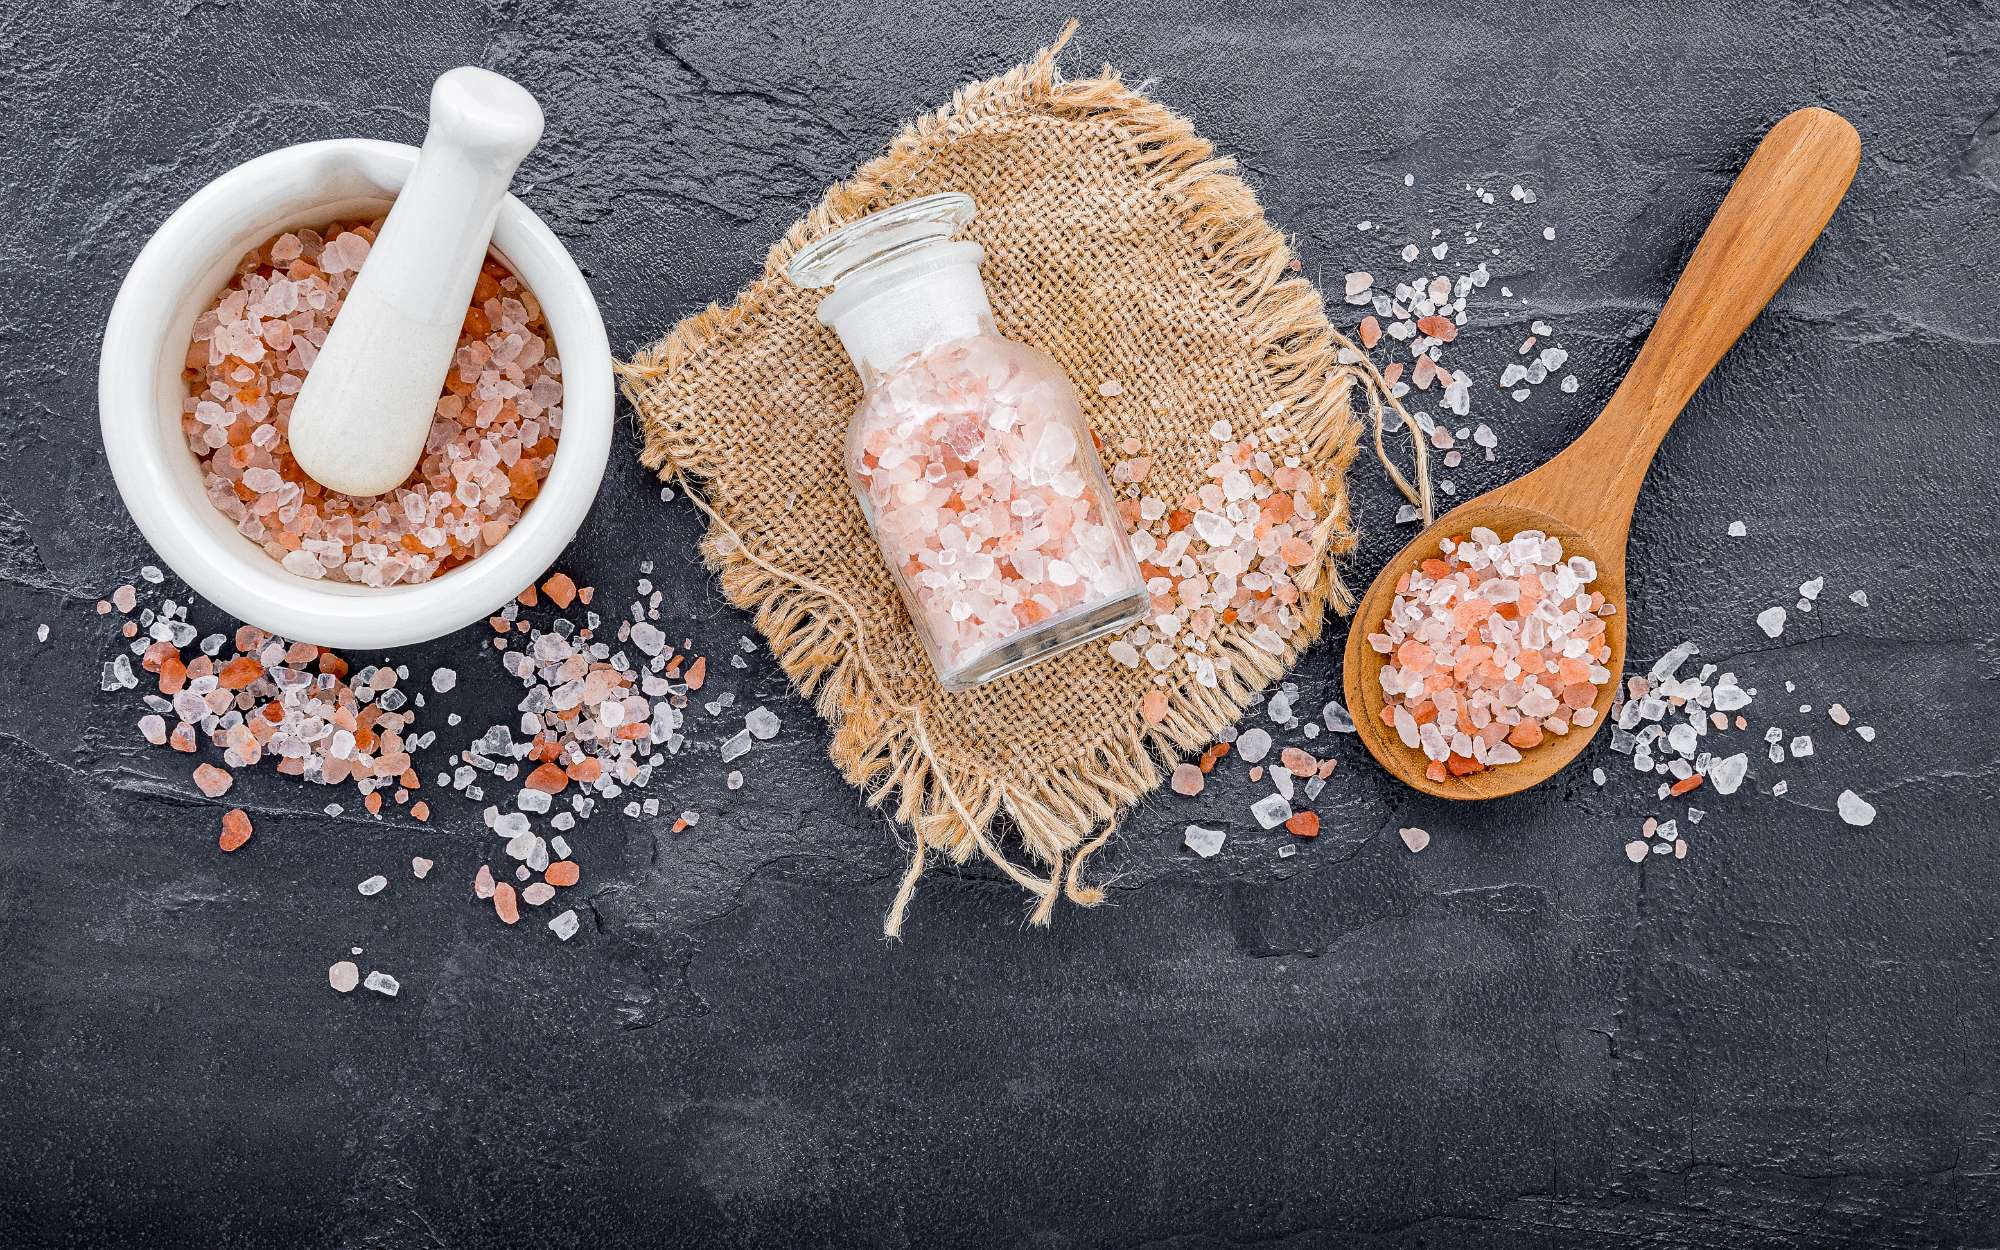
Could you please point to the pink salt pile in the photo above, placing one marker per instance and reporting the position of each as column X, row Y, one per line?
column 601, row 712
column 489, row 448
column 984, row 497
column 259, row 698
column 1490, row 648
column 1232, row 554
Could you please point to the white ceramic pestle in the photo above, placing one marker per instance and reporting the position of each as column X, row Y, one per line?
column 359, row 423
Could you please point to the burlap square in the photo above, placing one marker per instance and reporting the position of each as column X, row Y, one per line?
column 1117, row 242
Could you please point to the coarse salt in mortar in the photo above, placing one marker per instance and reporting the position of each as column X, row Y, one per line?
column 490, row 444
column 1491, row 647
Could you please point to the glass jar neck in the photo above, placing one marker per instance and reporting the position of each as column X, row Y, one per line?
column 920, row 298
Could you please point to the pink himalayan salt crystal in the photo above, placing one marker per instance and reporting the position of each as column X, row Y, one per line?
column 489, row 448
column 1187, row 779
column 1491, row 647
column 983, row 497
column 212, row 781
column 1231, row 556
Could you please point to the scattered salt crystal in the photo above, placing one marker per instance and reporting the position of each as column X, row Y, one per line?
column 1271, row 811
column 1727, row 774
column 1771, row 621
column 1111, row 388
column 1778, row 788
column 343, row 976
column 1636, row 851
column 443, row 680
column 1860, row 598
column 734, row 780
column 1867, row 732
column 564, row 926
column 1252, row 745
column 1203, row 842
column 420, row 867
column 762, row 723
column 1414, row 838
column 373, row 885
column 384, row 984
column 1336, row 716
column 1737, row 529
column 736, row 746
column 1802, row 746
column 1854, row 809
column 1810, row 590
column 1187, row 780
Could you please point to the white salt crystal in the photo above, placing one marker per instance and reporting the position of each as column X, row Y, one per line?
column 1867, row 732
column 1271, row 811
column 1203, row 842
column 1253, row 744
column 1854, row 809
column 1810, row 590
column 1860, row 598
column 374, row 885
column 565, row 925
column 1737, row 529
column 420, row 867
column 1802, row 746
column 1727, row 774
column 1337, row 719
column 384, row 984
column 1771, row 621
column 736, row 746
column 1110, row 388
column 443, row 680
column 762, row 723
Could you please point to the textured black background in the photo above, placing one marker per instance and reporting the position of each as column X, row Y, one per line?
column 1516, row 1038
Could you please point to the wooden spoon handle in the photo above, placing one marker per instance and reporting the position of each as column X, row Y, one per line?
column 1777, row 207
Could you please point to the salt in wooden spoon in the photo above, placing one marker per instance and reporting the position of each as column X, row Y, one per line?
column 1585, row 495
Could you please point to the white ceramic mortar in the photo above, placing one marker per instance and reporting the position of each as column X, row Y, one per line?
column 140, row 392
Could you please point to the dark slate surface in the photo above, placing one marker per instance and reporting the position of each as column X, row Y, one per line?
column 1516, row 1038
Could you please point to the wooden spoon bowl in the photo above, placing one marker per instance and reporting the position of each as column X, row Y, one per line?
column 1584, row 497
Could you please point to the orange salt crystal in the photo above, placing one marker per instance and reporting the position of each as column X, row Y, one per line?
column 212, row 781
column 1371, row 332
column 680, row 824
column 1441, row 328
column 585, row 771
column 1525, row 735
column 173, row 674
column 373, row 802
column 560, row 590
column 547, row 778
column 1685, row 784
column 505, row 904
column 420, row 810
column 239, row 673
column 697, row 672
column 1303, row 824
column 1299, row 761
column 235, row 829
column 528, row 598
column 563, row 873
column 1154, row 706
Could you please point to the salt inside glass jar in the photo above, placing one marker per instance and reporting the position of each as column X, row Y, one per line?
column 968, row 452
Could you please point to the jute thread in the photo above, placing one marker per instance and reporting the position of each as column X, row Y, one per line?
column 1160, row 271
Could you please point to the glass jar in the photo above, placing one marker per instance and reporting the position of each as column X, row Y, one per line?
column 969, row 452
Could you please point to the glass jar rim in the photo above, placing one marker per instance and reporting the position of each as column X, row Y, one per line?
column 882, row 234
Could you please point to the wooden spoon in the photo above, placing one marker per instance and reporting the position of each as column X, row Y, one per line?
column 1585, row 495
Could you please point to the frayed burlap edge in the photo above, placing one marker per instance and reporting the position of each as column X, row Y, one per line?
column 881, row 743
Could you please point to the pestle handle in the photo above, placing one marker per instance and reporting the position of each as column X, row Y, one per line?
column 360, row 421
